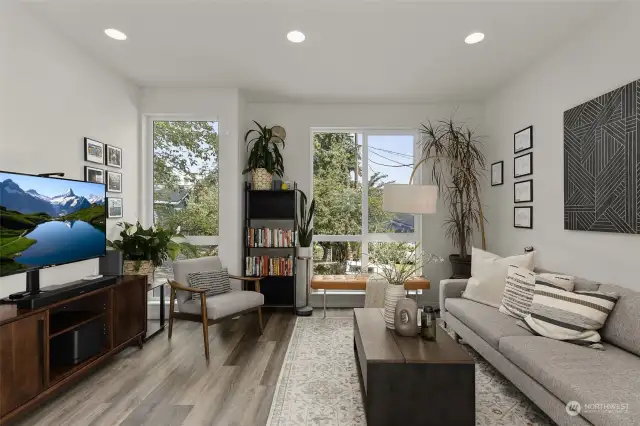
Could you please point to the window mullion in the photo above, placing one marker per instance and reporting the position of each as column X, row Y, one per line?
column 364, row 256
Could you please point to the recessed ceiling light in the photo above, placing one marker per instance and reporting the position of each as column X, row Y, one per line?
column 295, row 37
column 115, row 34
column 474, row 38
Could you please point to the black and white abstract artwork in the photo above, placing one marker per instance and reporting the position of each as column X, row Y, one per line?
column 602, row 163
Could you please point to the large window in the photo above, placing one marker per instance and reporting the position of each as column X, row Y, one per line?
column 185, row 182
column 349, row 220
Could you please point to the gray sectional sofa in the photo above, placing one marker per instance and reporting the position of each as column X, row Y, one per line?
column 552, row 373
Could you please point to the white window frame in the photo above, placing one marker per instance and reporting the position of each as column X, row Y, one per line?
column 365, row 237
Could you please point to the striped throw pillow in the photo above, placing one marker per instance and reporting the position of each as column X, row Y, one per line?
column 518, row 292
column 519, row 289
column 574, row 317
column 215, row 282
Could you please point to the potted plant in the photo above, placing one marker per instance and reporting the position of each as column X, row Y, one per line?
column 265, row 159
column 397, row 262
column 452, row 151
column 305, row 231
column 145, row 249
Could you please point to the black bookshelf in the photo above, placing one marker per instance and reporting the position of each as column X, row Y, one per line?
column 278, row 209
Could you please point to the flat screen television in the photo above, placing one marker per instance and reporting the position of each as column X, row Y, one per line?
column 47, row 221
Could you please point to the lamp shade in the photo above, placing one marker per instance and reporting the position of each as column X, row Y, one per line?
column 413, row 199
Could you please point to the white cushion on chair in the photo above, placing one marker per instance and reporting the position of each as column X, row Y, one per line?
column 224, row 305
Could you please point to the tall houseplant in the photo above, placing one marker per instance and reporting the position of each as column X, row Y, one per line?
column 265, row 159
column 145, row 249
column 452, row 151
column 305, row 231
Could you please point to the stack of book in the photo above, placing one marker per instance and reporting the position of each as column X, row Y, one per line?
column 263, row 266
column 265, row 237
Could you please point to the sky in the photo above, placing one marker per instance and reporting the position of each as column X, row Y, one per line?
column 53, row 186
column 388, row 151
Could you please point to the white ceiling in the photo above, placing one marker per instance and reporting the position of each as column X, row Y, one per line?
column 355, row 50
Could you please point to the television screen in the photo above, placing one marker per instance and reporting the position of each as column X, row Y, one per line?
column 48, row 221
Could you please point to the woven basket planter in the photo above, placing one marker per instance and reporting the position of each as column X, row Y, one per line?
column 262, row 179
column 146, row 268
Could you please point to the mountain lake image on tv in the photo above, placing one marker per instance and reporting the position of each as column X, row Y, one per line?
column 48, row 221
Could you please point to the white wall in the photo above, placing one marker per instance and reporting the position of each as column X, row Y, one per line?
column 298, row 119
column 224, row 106
column 601, row 58
column 51, row 97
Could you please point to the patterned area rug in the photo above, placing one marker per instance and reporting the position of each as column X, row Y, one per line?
column 319, row 385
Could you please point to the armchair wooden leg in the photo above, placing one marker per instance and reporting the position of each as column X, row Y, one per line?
column 260, row 320
column 205, row 325
column 171, row 304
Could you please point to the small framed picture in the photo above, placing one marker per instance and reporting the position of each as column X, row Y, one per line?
column 114, row 181
column 114, row 156
column 523, row 191
column 93, row 151
column 91, row 174
column 497, row 173
column 523, row 140
column 523, row 217
column 523, row 165
column 114, row 207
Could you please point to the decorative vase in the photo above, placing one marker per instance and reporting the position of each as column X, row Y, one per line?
column 146, row 268
column 262, row 179
column 392, row 294
column 304, row 251
column 406, row 318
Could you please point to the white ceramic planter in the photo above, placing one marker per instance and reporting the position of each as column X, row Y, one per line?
column 262, row 179
column 305, row 251
column 392, row 294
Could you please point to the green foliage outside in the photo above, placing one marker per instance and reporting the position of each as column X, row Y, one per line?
column 337, row 167
column 186, row 163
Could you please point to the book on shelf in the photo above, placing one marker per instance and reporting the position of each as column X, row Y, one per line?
column 269, row 266
column 267, row 237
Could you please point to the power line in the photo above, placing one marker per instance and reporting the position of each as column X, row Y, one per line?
column 400, row 154
column 390, row 165
column 393, row 161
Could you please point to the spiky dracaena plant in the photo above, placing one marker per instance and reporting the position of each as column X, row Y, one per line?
column 265, row 152
column 305, row 231
column 453, row 152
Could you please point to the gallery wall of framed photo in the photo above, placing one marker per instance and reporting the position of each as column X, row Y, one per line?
column 522, row 180
column 522, row 168
column 98, row 153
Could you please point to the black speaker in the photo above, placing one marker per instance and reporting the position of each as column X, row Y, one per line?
column 111, row 264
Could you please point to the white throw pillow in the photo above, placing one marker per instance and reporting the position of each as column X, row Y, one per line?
column 489, row 274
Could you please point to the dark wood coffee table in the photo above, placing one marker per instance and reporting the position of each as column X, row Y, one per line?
column 409, row 381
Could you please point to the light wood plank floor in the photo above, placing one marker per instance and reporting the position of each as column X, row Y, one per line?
column 169, row 382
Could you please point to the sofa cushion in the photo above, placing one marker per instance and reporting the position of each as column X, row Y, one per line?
column 576, row 373
column 484, row 320
column 622, row 328
column 579, row 284
column 225, row 304
column 489, row 273
column 570, row 316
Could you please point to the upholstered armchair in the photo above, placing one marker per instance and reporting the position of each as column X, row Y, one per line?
column 209, row 309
